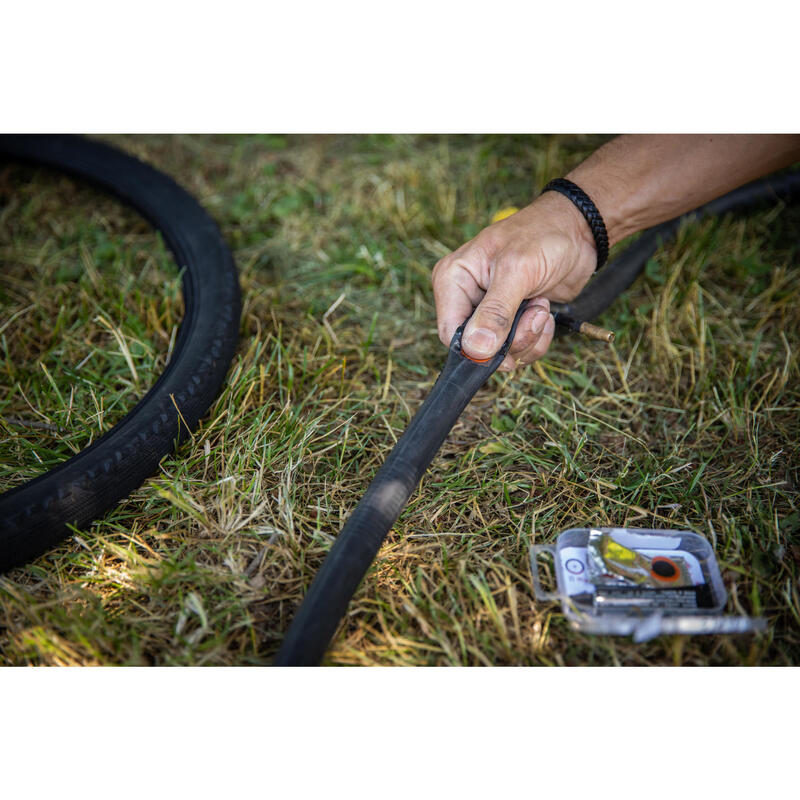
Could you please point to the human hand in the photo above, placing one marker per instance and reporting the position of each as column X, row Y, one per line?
column 543, row 252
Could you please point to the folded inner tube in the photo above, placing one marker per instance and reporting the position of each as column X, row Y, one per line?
column 358, row 543
column 35, row 516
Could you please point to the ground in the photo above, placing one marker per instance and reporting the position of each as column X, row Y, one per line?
column 689, row 420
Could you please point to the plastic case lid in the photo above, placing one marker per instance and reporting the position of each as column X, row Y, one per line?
column 625, row 609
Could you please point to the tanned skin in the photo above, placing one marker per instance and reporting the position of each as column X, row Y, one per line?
column 546, row 251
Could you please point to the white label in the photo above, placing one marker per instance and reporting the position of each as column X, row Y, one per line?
column 575, row 570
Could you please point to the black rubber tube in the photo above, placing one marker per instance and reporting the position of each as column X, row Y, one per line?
column 358, row 543
column 36, row 515
column 609, row 283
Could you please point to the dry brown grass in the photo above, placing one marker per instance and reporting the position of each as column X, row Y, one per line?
column 690, row 420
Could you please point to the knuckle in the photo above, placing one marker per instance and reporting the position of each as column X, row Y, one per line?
column 439, row 267
column 442, row 282
column 495, row 312
column 486, row 241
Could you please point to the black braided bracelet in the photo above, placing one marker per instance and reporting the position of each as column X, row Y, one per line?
column 589, row 210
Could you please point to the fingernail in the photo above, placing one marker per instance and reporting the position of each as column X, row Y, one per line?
column 481, row 342
column 538, row 321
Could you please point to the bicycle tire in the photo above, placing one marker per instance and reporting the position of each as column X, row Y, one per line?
column 36, row 516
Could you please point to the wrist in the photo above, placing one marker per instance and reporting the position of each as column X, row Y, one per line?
column 610, row 202
column 570, row 220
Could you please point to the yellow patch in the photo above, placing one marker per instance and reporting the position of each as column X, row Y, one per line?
column 503, row 213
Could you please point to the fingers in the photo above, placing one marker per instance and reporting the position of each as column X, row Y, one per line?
column 455, row 293
column 491, row 322
column 531, row 325
column 534, row 351
column 533, row 337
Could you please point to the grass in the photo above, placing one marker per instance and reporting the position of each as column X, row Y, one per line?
column 689, row 420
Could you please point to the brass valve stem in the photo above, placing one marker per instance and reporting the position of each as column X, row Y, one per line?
column 595, row 332
column 586, row 328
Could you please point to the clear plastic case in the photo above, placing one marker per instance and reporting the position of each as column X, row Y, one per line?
column 638, row 582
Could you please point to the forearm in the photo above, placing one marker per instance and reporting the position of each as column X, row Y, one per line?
column 638, row 181
column 546, row 251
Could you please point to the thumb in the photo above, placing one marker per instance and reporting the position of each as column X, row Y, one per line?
column 488, row 327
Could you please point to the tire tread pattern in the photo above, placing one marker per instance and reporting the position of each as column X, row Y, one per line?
column 36, row 516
